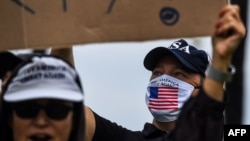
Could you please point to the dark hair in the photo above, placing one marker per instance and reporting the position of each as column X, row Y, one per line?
column 78, row 128
column 6, row 133
column 12, row 62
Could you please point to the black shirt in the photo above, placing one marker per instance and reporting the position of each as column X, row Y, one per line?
column 201, row 119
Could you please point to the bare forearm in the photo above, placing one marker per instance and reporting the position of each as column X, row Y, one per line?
column 228, row 34
column 65, row 52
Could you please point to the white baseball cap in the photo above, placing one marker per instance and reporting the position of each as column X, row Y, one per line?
column 44, row 77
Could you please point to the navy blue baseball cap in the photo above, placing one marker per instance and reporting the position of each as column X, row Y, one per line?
column 192, row 58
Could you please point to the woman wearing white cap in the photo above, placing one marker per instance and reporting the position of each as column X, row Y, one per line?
column 42, row 101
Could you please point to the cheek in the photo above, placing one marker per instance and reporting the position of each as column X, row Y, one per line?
column 20, row 128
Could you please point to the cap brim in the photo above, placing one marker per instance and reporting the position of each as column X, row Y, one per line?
column 152, row 58
column 154, row 55
column 32, row 94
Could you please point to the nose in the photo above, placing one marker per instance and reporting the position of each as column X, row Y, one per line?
column 41, row 120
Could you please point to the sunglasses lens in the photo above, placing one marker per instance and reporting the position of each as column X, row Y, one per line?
column 26, row 110
column 57, row 111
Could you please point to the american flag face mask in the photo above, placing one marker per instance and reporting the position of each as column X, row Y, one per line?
column 165, row 97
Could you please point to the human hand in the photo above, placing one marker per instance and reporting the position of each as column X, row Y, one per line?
column 229, row 32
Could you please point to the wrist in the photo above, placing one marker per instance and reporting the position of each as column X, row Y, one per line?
column 221, row 59
column 220, row 75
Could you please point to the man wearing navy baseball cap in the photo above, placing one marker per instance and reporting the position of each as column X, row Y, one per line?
column 193, row 59
column 185, row 93
column 177, row 74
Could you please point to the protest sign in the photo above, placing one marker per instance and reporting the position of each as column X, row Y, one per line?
column 59, row 23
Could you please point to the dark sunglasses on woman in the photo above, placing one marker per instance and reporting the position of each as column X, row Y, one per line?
column 53, row 110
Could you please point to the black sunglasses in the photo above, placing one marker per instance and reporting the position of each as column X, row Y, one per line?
column 29, row 110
